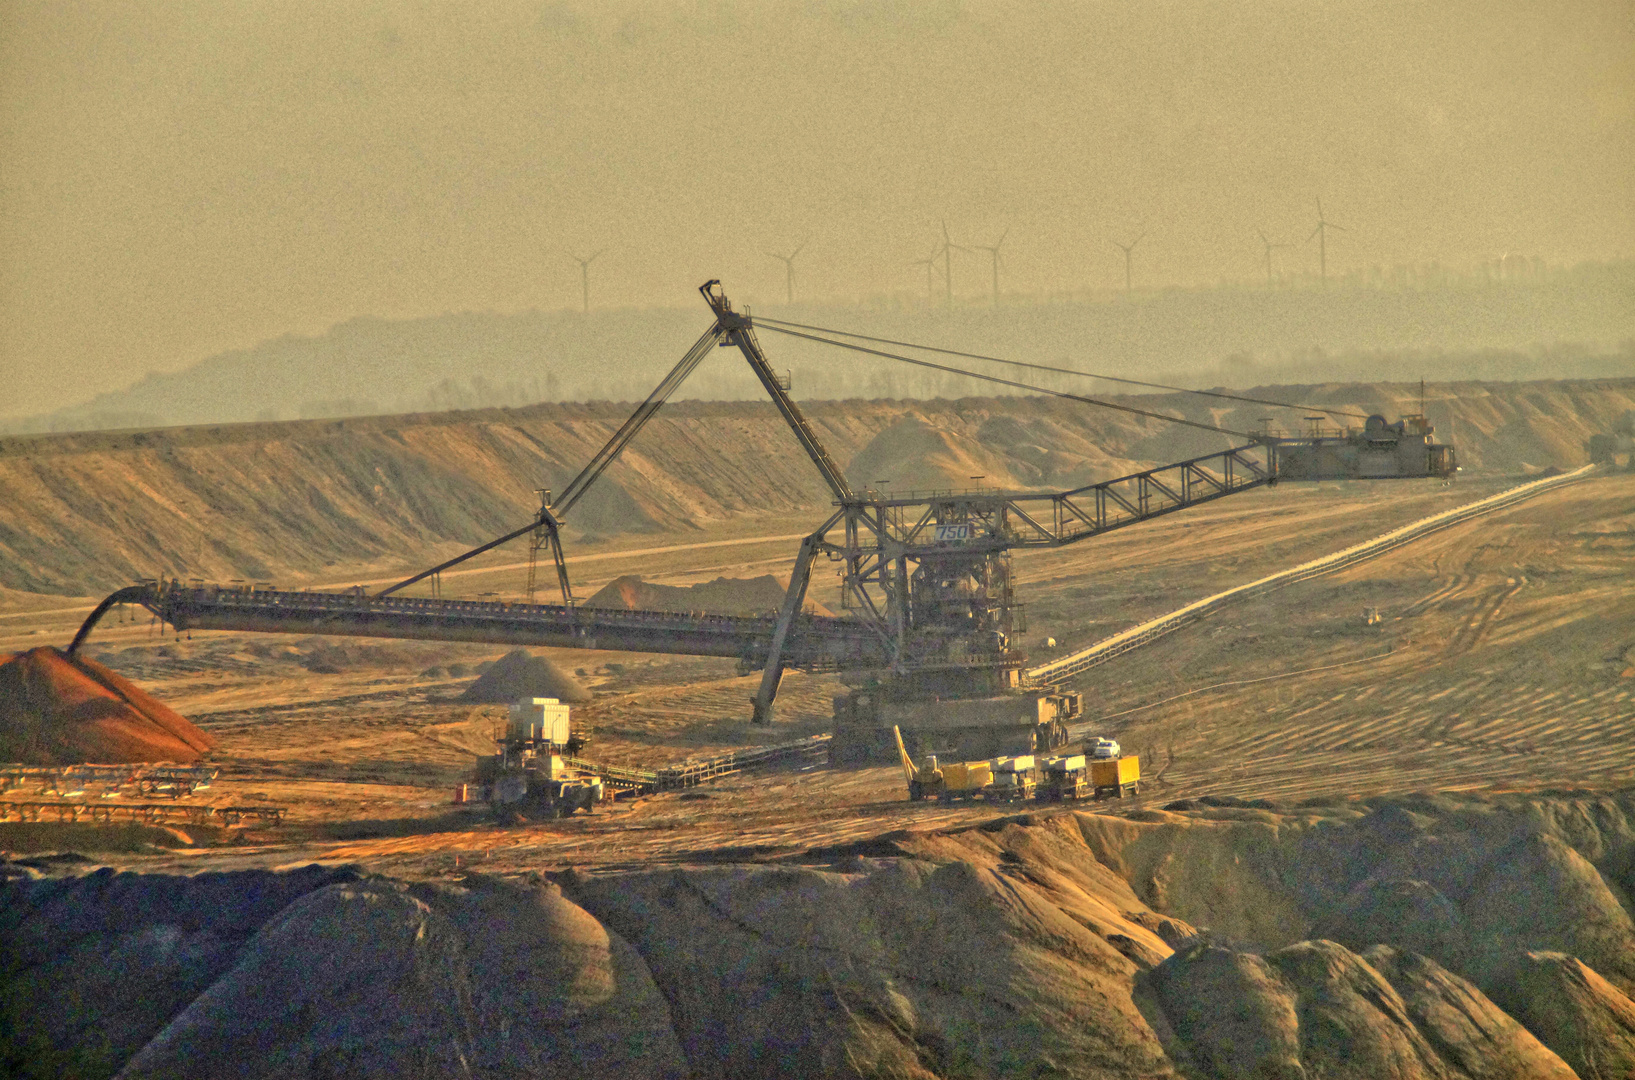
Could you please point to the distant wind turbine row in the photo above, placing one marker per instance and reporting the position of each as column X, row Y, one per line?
column 584, row 274
column 994, row 251
column 1270, row 247
column 944, row 253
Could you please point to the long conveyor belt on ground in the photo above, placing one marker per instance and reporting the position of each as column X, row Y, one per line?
column 695, row 771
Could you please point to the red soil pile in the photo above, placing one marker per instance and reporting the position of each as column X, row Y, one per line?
column 57, row 709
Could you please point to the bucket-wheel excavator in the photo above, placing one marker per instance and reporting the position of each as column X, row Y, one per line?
column 931, row 641
column 931, row 576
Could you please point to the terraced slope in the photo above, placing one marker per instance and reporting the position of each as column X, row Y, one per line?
column 82, row 514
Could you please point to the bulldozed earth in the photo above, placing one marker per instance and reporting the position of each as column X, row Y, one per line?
column 1390, row 844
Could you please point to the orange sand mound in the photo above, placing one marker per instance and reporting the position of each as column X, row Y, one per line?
column 62, row 710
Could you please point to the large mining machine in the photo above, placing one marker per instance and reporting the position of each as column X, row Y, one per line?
column 930, row 573
column 931, row 639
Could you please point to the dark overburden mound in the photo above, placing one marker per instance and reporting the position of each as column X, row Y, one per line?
column 92, row 968
column 1317, row 1008
column 1414, row 937
column 319, row 973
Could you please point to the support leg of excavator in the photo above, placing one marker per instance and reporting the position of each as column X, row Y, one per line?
column 793, row 600
column 561, row 562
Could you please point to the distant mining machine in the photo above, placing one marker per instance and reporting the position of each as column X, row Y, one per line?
column 931, row 644
column 930, row 573
column 931, row 641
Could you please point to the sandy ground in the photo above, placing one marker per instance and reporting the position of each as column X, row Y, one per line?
column 1505, row 659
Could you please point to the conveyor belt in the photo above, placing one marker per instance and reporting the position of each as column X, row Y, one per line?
column 1153, row 629
column 816, row 643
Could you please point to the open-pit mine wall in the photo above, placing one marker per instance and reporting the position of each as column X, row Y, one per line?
column 1416, row 937
column 85, row 513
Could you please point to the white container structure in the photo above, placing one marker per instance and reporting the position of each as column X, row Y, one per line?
column 539, row 720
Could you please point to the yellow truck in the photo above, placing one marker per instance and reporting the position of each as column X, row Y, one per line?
column 1066, row 778
column 965, row 780
column 1114, row 778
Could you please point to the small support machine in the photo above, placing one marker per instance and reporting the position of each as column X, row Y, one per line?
column 529, row 776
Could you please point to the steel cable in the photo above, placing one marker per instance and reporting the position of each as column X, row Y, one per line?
column 1018, row 385
column 772, row 324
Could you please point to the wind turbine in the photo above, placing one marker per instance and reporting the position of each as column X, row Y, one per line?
column 994, row 251
column 1269, row 246
column 928, row 263
column 948, row 249
column 789, row 265
column 1127, row 248
column 584, row 275
column 1321, row 232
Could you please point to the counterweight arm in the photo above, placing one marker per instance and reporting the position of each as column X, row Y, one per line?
column 550, row 517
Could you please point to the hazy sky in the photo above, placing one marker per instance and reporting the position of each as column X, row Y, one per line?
column 181, row 178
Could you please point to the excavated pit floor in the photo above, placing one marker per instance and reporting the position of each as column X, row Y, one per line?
column 1453, row 781
column 1505, row 661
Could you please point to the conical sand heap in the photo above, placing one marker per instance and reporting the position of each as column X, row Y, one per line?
column 57, row 709
column 521, row 674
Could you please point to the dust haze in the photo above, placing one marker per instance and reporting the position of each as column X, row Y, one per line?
column 1320, row 768
column 185, row 182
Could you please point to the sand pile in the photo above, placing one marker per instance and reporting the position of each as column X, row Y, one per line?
column 62, row 710
column 521, row 674
column 723, row 596
column 912, row 455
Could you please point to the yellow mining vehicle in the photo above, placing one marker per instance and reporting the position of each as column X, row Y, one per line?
column 924, row 781
column 966, row 780
column 1003, row 779
column 1066, row 777
column 945, row 783
column 1114, row 778
column 1014, row 778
